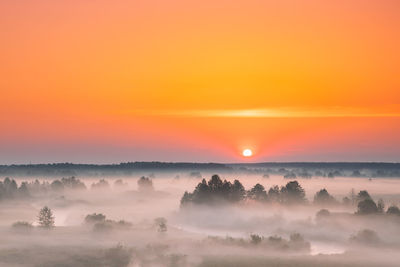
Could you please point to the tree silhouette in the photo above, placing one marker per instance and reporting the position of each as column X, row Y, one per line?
column 215, row 191
column 322, row 197
column 258, row 193
column 23, row 190
column 101, row 184
column 238, row 191
column 73, row 183
column 393, row 210
column 46, row 218
column 322, row 214
column 362, row 195
column 381, row 206
column 145, row 184
column 367, row 206
column 95, row 218
column 202, row 193
column 215, row 183
column 57, row 185
column 293, row 193
column 274, row 194
column 161, row 224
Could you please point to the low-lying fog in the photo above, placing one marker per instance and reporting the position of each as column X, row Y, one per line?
column 146, row 225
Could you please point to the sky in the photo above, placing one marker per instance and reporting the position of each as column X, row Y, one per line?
column 180, row 80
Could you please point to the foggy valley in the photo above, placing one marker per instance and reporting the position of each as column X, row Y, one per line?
column 242, row 216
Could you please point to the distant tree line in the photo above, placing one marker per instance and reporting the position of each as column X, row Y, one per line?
column 9, row 188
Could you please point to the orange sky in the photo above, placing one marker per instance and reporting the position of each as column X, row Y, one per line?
column 110, row 81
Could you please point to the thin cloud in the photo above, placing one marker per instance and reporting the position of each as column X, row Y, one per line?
column 273, row 113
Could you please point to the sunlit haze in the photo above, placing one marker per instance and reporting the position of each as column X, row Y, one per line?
column 111, row 81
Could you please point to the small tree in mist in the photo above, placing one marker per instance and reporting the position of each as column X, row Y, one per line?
column 367, row 206
column 118, row 256
column 274, row 194
column 57, row 185
column 101, row 184
column 255, row 239
column 363, row 195
column 73, row 183
column 145, row 184
column 238, row 191
column 257, row 193
column 366, row 237
column 161, row 224
column 381, row 206
column 393, row 210
column 293, row 193
column 120, row 183
column 23, row 190
column 322, row 215
column 46, row 218
column 22, row 226
column 322, row 197
column 95, row 218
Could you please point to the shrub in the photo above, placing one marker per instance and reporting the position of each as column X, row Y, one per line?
column 161, row 224
column 118, row 256
column 255, row 239
column 322, row 214
column 366, row 237
column 101, row 184
column 22, row 226
column 394, row 210
column 95, row 218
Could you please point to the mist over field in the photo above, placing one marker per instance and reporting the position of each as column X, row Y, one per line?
column 269, row 216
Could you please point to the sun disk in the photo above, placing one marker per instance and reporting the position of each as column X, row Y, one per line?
column 247, row 153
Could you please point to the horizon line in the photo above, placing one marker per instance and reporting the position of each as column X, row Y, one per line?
column 194, row 162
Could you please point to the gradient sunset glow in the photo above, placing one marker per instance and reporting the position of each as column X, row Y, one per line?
column 110, row 81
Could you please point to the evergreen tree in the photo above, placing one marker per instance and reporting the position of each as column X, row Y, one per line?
column 258, row 193
column 46, row 218
column 322, row 197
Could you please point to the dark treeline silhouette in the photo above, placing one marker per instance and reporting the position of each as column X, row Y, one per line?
column 128, row 168
column 216, row 191
column 9, row 188
column 290, row 170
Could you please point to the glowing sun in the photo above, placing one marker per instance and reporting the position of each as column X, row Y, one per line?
column 247, row 153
